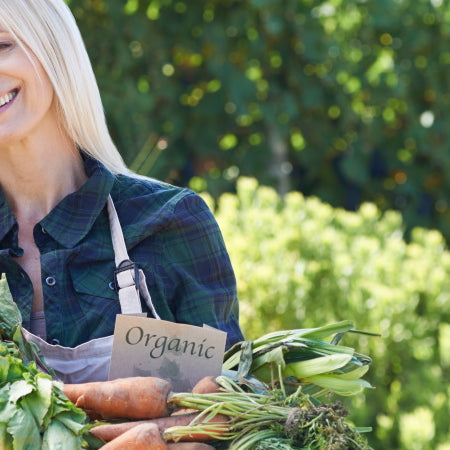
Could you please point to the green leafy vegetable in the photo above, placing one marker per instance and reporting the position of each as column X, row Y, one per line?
column 303, row 359
column 34, row 412
column 10, row 314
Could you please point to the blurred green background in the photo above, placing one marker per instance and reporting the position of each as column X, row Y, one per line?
column 342, row 104
column 347, row 100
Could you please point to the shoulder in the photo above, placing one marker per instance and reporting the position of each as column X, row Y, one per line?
column 150, row 192
column 147, row 205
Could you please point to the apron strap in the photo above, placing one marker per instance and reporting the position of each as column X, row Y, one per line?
column 126, row 271
column 128, row 279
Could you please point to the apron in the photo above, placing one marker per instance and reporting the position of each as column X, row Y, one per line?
column 90, row 361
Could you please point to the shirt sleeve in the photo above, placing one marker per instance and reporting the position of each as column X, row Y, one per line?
column 199, row 266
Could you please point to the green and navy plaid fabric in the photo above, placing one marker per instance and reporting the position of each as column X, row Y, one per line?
column 170, row 233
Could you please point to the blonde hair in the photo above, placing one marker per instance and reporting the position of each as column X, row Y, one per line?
column 48, row 29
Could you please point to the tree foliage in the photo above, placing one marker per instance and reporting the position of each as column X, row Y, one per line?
column 346, row 100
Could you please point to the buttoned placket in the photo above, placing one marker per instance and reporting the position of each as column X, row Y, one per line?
column 49, row 272
column 45, row 245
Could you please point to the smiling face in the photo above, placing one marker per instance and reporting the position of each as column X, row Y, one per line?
column 26, row 94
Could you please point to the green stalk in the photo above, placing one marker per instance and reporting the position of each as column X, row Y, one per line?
column 248, row 441
column 254, row 417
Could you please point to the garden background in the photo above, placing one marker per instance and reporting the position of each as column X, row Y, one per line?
column 317, row 131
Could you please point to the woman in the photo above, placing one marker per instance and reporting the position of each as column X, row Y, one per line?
column 62, row 186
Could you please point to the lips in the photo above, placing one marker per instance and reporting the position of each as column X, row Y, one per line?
column 9, row 97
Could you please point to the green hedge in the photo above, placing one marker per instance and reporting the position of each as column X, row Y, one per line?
column 301, row 263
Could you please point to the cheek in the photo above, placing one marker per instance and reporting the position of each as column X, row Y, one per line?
column 42, row 87
column 48, row 93
column 44, row 93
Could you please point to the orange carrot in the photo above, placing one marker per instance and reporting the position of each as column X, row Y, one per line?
column 93, row 415
column 189, row 446
column 181, row 411
column 108, row 432
column 145, row 436
column 128, row 398
column 207, row 385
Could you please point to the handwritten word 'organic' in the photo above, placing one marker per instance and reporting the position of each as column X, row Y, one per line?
column 160, row 344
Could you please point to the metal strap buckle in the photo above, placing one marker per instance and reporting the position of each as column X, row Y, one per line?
column 124, row 266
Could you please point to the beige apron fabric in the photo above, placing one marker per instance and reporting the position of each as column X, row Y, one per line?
column 90, row 360
column 81, row 364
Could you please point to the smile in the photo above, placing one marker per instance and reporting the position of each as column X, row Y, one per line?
column 5, row 99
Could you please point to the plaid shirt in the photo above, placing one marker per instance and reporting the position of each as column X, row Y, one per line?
column 170, row 233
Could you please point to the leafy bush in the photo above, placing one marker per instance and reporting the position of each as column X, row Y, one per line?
column 301, row 263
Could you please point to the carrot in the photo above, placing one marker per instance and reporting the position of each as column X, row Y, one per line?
column 189, row 446
column 181, row 411
column 128, row 398
column 207, row 385
column 93, row 415
column 108, row 432
column 145, row 436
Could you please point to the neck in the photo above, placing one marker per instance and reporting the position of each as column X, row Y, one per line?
column 35, row 176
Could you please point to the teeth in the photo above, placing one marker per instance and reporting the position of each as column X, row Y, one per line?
column 7, row 98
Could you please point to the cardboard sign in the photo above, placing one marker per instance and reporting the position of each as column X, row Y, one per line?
column 182, row 354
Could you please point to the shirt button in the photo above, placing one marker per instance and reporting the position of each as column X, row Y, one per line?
column 43, row 230
column 50, row 281
column 55, row 341
column 111, row 286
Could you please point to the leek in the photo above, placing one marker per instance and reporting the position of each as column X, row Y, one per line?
column 300, row 357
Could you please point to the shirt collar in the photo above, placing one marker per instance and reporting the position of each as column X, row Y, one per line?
column 73, row 217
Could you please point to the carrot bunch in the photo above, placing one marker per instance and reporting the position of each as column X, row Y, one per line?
column 139, row 411
column 146, row 414
column 270, row 419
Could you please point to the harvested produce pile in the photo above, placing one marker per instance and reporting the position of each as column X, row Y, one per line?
column 271, row 396
column 247, row 420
